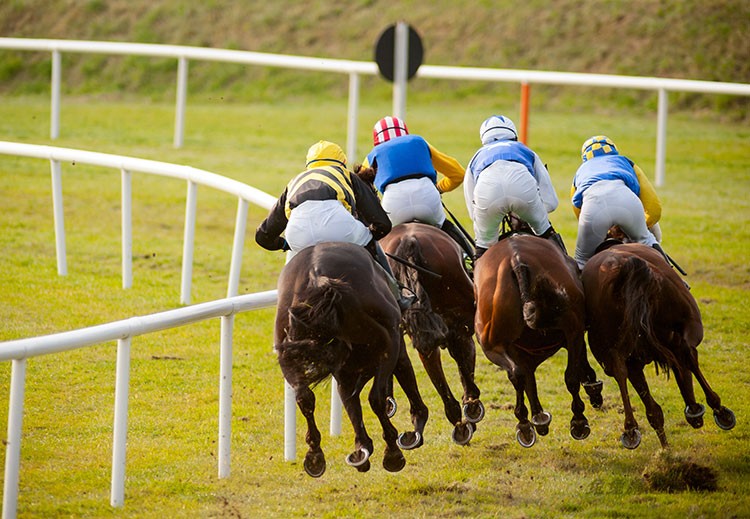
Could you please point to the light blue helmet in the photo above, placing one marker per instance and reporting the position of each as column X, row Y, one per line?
column 596, row 146
column 497, row 128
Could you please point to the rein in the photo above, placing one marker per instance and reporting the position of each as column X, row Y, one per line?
column 458, row 224
column 412, row 265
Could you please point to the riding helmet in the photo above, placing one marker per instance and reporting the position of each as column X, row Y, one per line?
column 327, row 154
column 497, row 128
column 596, row 146
column 388, row 128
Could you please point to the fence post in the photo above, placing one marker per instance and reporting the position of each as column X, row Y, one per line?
column 179, row 122
column 188, row 242
column 54, row 131
column 661, row 138
column 351, row 126
column 400, row 69
column 225, row 395
column 127, row 229
column 524, row 112
column 13, row 444
column 239, row 243
column 57, row 208
column 119, row 440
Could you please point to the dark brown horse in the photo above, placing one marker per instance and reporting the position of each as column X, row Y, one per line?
column 442, row 317
column 640, row 311
column 529, row 305
column 337, row 316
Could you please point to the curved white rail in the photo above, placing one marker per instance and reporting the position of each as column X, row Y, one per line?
column 194, row 177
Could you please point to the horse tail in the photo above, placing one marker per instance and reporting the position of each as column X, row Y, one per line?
column 637, row 288
column 306, row 362
column 318, row 312
column 541, row 299
column 424, row 326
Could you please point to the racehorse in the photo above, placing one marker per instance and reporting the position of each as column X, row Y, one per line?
column 640, row 311
column 336, row 315
column 442, row 317
column 529, row 305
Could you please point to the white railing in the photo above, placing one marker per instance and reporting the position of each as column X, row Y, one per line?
column 18, row 351
column 356, row 68
column 127, row 165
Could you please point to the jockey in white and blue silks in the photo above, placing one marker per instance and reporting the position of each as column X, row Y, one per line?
column 505, row 176
column 610, row 189
column 406, row 174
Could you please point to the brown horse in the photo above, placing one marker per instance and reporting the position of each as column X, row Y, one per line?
column 337, row 316
column 443, row 316
column 640, row 311
column 529, row 305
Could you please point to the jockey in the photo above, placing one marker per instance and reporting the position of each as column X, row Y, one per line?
column 505, row 176
column 327, row 203
column 406, row 169
column 610, row 189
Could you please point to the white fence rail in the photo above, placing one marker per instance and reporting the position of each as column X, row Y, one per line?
column 19, row 351
column 356, row 68
column 127, row 165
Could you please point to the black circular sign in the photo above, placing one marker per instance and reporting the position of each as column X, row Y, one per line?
column 385, row 47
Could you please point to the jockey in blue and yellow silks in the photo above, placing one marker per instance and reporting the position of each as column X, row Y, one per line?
column 610, row 189
column 406, row 174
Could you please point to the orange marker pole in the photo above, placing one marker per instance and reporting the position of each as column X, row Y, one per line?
column 524, row 112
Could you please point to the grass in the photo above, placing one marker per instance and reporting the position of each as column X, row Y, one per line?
column 173, row 415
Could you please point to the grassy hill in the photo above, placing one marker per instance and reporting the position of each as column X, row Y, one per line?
column 692, row 39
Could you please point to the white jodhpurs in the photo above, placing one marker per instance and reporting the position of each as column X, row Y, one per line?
column 506, row 187
column 413, row 199
column 316, row 221
column 608, row 203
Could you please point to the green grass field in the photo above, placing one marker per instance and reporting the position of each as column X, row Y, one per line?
column 173, row 415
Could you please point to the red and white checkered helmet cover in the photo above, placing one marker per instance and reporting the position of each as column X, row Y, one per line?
column 388, row 128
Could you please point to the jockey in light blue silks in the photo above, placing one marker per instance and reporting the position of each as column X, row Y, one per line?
column 505, row 176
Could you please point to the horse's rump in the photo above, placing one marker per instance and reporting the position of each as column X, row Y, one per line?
column 318, row 309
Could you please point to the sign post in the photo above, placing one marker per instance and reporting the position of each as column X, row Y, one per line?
column 399, row 53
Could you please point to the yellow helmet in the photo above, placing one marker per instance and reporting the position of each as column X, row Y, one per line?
column 328, row 153
column 597, row 145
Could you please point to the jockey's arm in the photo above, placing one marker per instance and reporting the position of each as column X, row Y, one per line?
column 649, row 198
column 369, row 209
column 450, row 168
column 268, row 233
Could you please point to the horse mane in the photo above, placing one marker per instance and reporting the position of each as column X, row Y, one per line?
column 424, row 326
column 638, row 288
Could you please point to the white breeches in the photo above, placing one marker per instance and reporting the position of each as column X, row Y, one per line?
column 608, row 203
column 316, row 221
column 413, row 199
column 506, row 187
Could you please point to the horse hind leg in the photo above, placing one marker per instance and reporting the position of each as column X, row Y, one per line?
column 654, row 412
column 579, row 424
column 315, row 462
column 462, row 349
column 349, row 391
column 393, row 458
column 723, row 416
column 631, row 436
column 404, row 373
column 525, row 433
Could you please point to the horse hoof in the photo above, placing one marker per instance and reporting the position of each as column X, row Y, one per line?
column 315, row 464
column 409, row 440
column 474, row 411
column 358, row 458
column 525, row 435
column 390, row 407
column 594, row 391
column 724, row 418
column 394, row 462
column 695, row 418
column 541, row 422
column 462, row 433
column 631, row 439
column 580, row 430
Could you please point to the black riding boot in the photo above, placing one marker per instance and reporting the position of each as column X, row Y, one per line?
column 478, row 254
column 404, row 302
column 454, row 232
column 554, row 236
